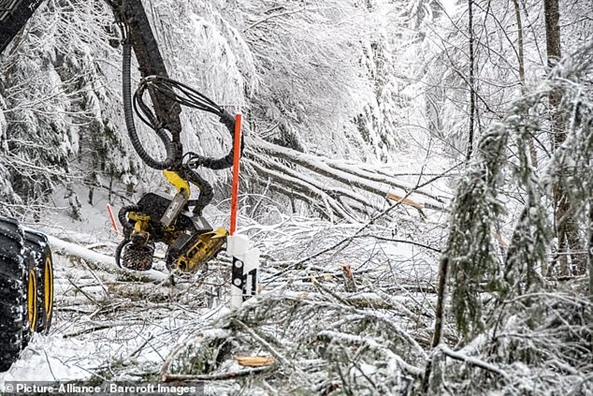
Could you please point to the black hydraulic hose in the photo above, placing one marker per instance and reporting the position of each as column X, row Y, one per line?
column 118, row 251
column 183, row 94
column 228, row 120
column 121, row 216
column 187, row 96
column 206, row 191
column 131, row 127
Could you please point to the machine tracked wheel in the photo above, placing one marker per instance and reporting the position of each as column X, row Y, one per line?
column 26, row 288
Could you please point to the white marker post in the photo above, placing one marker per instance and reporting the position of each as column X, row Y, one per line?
column 245, row 261
column 245, row 268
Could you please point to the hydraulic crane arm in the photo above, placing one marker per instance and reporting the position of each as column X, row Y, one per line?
column 138, row 33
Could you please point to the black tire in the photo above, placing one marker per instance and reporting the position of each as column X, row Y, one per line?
column 18, row 293
column 38, row 248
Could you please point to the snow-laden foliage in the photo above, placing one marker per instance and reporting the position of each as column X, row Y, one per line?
column 310, row 86
column 526, row 256
column 470, row 250
column 332, row 346
column 571, row 164
column 538, row 345
column 517, row 327
column 318, row 329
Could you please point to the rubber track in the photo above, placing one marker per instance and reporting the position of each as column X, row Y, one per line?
column 12, row 309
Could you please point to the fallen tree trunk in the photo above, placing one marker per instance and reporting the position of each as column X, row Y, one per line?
column 341, row 190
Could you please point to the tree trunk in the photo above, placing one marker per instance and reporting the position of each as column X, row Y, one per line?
column 150, row 60
column 590, row 251
column 472, row 91
column 335, row 189
column 552, row 16
column 566, row 228
column 521, row 61
column 438, row 324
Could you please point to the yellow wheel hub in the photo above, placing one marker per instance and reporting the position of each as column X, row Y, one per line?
column 48, row 285
column 32, row 300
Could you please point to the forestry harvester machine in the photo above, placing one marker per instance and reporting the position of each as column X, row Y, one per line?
column 26, row 270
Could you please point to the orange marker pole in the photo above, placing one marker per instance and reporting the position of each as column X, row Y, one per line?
column 112, row 218
column 236, row 158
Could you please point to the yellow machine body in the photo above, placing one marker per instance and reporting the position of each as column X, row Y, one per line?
column 200, row 249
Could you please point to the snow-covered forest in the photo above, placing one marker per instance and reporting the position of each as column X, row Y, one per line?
column 415, row 175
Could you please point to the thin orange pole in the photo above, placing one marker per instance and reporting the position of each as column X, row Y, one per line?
column 236, row 158
column 112, row 218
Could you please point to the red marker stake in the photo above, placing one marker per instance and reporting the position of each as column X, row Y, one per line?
column 235, row 189
column 112, row 218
